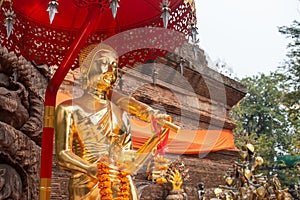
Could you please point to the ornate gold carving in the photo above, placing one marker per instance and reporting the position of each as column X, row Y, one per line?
column 192, row 4
column 176, row 180
column 85, row 52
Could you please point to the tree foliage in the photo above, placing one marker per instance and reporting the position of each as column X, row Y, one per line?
column 261, row 113
column 262, row 117
column 291, row 76
column 270, row 113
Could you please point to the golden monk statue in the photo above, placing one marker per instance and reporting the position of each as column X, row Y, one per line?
column 92, row 133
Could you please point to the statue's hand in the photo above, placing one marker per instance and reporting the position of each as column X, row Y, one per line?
column 149, row 113
column 162, row 117
column 92, row 171
column 124, row 160
column 165, row 121
column 113, row 173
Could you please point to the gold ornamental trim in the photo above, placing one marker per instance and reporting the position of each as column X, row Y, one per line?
column 192, row 4
column 45, row 188
column 49, row 117
column 85, row 52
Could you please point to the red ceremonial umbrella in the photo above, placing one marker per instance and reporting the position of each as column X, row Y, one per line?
column 79, row 23
column 36, row 39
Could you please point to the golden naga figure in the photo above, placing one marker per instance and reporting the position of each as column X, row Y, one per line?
column 92, row 133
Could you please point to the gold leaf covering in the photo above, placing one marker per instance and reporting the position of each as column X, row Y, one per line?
column 192, row 4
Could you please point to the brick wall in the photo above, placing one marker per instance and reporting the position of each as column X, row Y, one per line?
column 207, row 168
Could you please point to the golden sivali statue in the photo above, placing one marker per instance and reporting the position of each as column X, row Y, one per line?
column 92, row 133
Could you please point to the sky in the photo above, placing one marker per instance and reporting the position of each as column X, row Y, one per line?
column 244, row 33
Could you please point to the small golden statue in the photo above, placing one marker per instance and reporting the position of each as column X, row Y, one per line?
column 93, row 138
column 242, row 182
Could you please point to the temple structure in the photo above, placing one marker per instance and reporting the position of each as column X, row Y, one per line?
column 205, row 142
column 199, row 100
column 176, row 81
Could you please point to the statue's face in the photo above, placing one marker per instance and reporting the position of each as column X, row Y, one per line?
column 103, row 70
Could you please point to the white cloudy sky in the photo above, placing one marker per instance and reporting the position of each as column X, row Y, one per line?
column 244, row 33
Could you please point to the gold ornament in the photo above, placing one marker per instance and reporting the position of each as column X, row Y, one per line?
column 261, row 191
column 218, row 191
column 259, row 160
column 192, row 4
column 250, row 147
column 229, row 180
column 176, row 180
column 248, row 173
column 243, row 154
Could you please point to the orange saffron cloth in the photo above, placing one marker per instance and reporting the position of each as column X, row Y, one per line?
column 184, row 142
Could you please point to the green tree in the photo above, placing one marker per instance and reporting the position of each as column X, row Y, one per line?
column 261, row 113
column 291, row 77
column 270, row 113
column 262, row 117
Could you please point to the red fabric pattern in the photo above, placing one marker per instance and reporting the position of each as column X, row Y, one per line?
column 36, row 39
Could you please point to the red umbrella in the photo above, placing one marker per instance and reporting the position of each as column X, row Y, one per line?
column 36, row 39
column 79, row 23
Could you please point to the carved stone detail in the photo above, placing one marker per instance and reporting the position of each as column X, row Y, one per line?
column 22, row 88
column 10, row 183
column 20, row 152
